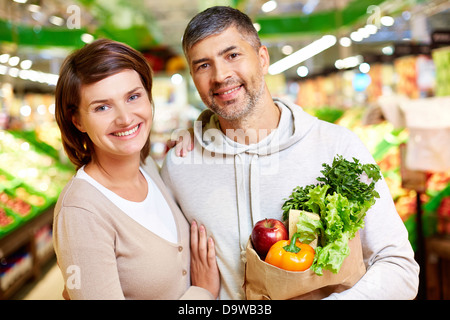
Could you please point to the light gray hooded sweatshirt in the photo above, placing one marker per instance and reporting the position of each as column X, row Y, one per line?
column 228, row 187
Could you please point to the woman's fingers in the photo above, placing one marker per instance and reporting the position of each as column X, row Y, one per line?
column 194, row 238
column 211, row 252
column 204, row 269
column 202, row 244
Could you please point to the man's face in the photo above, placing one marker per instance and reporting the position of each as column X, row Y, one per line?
column 229, row 73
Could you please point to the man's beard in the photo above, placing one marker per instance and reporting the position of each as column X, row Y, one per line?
column 232, row 111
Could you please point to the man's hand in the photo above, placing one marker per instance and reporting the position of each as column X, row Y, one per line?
column 182, row 140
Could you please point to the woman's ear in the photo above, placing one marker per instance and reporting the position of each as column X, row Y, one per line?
column 77, row 123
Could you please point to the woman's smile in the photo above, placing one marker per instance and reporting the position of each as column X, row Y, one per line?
column 129, row 133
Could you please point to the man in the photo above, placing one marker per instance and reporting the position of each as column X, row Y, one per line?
column 252, row 150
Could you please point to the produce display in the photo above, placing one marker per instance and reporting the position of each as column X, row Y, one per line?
column 30, row 180
column 15, row 204
column 441, row 59
column 383, row 142
column 33, row 167
column 405, row 67
column 5, row 219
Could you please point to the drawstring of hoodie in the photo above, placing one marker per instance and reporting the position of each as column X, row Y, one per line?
column 241, row 194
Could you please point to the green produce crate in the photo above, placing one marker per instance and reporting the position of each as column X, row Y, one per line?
column 5, row 229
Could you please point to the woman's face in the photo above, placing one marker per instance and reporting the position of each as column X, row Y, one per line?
column 116, row 114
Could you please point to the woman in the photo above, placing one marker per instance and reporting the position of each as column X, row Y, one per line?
column 117, row 232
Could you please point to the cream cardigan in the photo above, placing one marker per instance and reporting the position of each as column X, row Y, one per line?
column 105, row 254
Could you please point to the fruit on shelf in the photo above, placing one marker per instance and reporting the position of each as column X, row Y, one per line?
column 15, row 204
column 32, row 199
column 5, row 219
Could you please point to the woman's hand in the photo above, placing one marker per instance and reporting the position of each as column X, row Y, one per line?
column 204, row 270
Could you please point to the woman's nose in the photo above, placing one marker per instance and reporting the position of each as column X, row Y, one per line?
column 123, row 116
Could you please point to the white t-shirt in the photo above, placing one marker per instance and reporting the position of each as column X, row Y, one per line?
column 153, row 213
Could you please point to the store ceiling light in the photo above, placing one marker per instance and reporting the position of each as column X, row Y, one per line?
column 302, row 71
column 388, row 50
column 345, row 41
column 363, row 32
column 356, row 36
column 4, row 58
column 14, row 61
column 31, row 75
column 57, row 21
column 349, row 62
column 176, row 79
column 287, row 49
column 26, row 64
column 3, row 69
column 303, row 54
column 387, row 21
column 13, row 72
column 87, row 38
column 364, row 67
column 20, row 1
column 269, row 6
column 371, row 28
column 34, row 8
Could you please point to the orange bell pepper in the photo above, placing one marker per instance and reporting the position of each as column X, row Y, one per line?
column 291, row 255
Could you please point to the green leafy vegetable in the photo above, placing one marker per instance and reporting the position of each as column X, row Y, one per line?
column 341, row 199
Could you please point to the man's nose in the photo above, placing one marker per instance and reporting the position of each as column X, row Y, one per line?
column 221, row 72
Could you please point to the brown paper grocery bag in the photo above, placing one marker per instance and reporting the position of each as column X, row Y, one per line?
column 267, row 282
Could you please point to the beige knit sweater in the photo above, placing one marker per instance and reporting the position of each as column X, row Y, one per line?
column 105, row 254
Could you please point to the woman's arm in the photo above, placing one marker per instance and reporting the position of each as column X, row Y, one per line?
column 84, row 245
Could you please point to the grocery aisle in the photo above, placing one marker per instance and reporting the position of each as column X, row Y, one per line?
column 384, row 67
column 48, row 287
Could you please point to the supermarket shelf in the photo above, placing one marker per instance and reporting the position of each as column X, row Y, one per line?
column 437, row 268
column 24, row 238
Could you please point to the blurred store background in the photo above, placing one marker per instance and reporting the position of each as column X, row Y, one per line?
column 378, row 67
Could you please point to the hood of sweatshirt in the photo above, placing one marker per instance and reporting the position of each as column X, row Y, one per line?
column 294, row 124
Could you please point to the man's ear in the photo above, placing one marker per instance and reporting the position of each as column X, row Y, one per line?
column 77, row 123
column 264, row 58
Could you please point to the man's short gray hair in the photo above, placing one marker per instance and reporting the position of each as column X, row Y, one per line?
column 214, row 21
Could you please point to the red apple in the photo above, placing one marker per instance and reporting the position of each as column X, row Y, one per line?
column 265, row 233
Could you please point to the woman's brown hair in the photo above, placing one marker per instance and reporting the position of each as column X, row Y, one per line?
column 92, row 63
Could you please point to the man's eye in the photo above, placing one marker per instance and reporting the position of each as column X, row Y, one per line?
column 234, row 55
column 203, row 66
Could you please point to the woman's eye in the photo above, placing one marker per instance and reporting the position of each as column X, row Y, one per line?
column 101, row 108
column 133, row 97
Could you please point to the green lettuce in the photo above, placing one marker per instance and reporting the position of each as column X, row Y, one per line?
column 341, row 200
